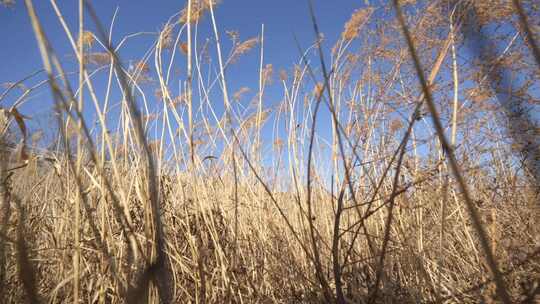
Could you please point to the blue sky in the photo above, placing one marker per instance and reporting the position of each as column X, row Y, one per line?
column 282, row 19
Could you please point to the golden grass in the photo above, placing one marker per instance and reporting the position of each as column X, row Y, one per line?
column 382, row 210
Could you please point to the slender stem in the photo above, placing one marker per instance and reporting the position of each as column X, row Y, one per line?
column 449, row 151
column 456, row 84
column 261, row 91
column 189, row 85
column 76, row 231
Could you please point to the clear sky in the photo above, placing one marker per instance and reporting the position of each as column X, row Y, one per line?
column 283, row 19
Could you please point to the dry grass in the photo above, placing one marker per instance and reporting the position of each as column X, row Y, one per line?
column 379, row 208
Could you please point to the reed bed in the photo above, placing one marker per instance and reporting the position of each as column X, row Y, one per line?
column 394, row 170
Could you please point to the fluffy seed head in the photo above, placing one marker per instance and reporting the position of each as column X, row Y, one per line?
column 357, row 21
column 238, row 94
column 87, row 39
column 243, row 48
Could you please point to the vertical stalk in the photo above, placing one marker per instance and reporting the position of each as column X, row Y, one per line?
column 456, row 83
column 76, row 231
column 188, row 87
column 228, row 110
column 445, row 185
column 221, row 66
column 261, row 90
column 449, row 151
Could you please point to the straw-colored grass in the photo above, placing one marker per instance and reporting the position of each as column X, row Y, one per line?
column 346, row 191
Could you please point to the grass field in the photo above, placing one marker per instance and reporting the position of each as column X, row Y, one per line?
column 396, row 168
